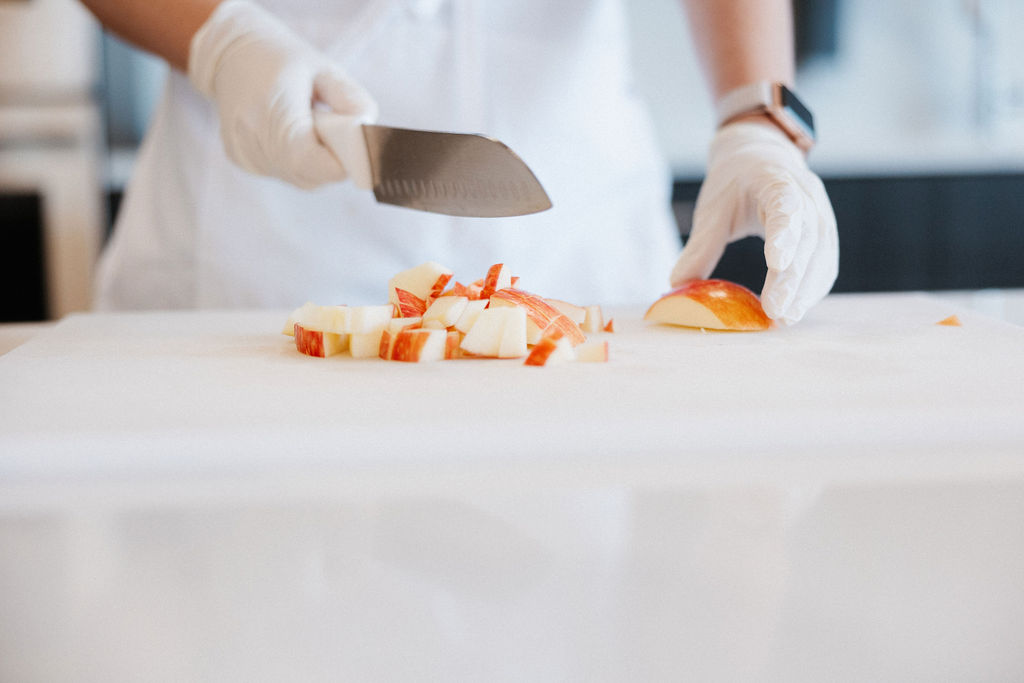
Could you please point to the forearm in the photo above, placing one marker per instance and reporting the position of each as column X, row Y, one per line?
column 163, row 27
column 742, row 41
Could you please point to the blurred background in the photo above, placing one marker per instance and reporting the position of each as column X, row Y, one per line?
column 920, row 114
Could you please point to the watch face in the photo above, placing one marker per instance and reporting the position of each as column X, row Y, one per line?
column 796, row 108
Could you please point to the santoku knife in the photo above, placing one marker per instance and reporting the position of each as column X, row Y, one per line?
column 457, row 174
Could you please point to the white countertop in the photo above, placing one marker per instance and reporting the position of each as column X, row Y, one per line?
column 867, row 387
column 185, row 497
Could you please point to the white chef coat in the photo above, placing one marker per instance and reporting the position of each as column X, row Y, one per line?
column 550, row 78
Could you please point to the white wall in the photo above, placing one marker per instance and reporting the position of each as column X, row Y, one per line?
column 907, row 91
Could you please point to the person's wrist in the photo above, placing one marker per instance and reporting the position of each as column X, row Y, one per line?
column 769, row 123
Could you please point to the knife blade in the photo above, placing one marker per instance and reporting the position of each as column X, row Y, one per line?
column 457, row 174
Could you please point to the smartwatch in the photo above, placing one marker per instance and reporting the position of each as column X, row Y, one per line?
column 778, row 102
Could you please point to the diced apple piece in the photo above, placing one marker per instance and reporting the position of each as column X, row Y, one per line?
column 498, row 277
column 323, row 318
column 396, row 325
column 419, row 345
column 426, row 281
column 610, row 327
column 542, row 317
column 951, row 321
column 550, row 349
column 390, row 334
column 451, row 345
column 486, row 336
column 303, row 312
column 712, row 305
column 513, row 335
column 446, row 310
column 575, row 313
column 365, row 344
column 593, row 320
column 469, row 314
column 366, row 319
column 409, row 305
column 319, row 343
column 592, row 352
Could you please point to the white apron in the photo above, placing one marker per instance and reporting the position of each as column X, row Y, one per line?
column 548, row 77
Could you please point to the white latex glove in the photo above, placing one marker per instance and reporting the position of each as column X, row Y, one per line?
column 758, row 183
column 265, row 81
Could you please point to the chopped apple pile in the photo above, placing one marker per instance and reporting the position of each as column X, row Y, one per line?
column 710, row 305
column 430, row 317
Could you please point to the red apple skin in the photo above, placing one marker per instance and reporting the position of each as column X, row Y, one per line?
column 408, row 346
column 451, row 345
column 610, row 327
column 309, row 342
column 544, row 315
column 439, row 286
column 409, row 305
column 542, row 350
column 490, row 284
column 734, row 305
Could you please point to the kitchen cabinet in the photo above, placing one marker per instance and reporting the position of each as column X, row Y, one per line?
column 50, row 140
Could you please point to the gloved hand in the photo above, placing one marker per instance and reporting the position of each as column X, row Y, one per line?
column 758, row 183
column 265, row 80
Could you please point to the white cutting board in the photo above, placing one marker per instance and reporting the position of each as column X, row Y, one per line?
column 868, row 386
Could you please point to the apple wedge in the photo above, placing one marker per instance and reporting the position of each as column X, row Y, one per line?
column 712, row 305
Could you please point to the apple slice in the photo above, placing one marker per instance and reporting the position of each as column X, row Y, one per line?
column 426, row 281
column 487, row 337
column 319, row 343
column 592, row 352
column 712, row 305
column 542, row 317
column 575, row 313
column 445, row 310
column 550, row 349
column 419, row 345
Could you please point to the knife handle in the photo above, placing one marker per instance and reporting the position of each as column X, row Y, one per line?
column 343, row 136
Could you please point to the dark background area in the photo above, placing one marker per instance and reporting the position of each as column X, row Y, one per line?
column 906, row 233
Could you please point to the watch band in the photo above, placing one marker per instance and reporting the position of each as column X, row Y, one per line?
column 775, row 100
